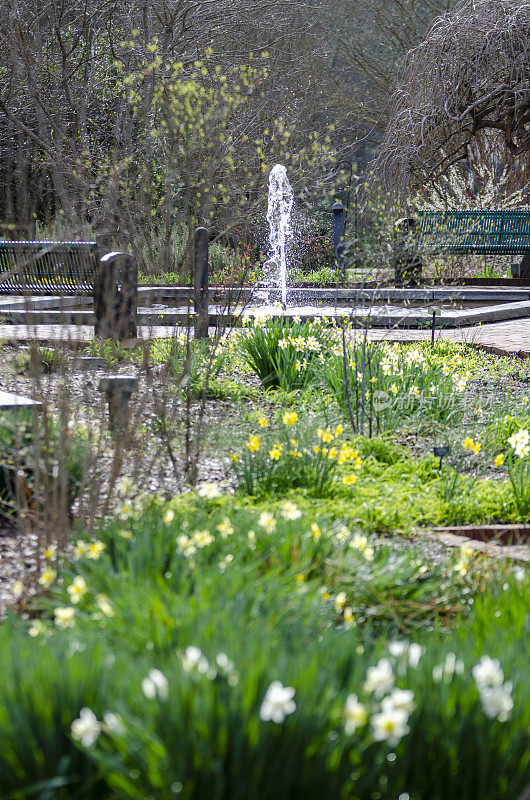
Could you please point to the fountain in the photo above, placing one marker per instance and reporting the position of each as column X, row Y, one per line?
column 279, row 207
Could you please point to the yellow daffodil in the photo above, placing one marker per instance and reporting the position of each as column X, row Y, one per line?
column 225, row 528
column 326, row 435
column 290, row 418
column 315, row 531
column 348, row 480
column 253, row 443
column 499, row 460
column 275, row 452
column 469, row 444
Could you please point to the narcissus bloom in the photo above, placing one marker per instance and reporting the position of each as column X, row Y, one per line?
column 95, row 549
column 355, row 715
column 77, row 589
column 278, row 703
column 390, row 726
column 253, row 443
column 86, row 728
column 65, row 617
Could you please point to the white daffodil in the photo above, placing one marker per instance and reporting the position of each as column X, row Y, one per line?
column 168, row 516
column 155, row 685
column 497, row 702
column 113, row 723
column 65, row 617
column 267, row 522
column 520, row 442
column 290, row 511
column 414, row 654
column 77, row 589
column 209, row 490
column 397, row 648
column 401, row 699
column 488, row 673
column 194, row 658
column 379, row 679
column 355, row 715
column 278, row 703
column 86, row 728
column 390, row 726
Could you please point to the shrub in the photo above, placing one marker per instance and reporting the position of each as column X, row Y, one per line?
column 22, row 459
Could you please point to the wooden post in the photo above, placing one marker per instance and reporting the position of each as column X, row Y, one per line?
column 115, row 297
column 200, row 283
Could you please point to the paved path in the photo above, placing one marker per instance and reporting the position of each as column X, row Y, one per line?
column 511, row 337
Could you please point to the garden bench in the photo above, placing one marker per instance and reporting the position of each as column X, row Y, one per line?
column 475, row 232
column 48, row 267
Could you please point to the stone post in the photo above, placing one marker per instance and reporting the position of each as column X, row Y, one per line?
column 118, row 390
column 115, row 297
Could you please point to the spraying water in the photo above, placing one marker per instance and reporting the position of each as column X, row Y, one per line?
column 280, row 204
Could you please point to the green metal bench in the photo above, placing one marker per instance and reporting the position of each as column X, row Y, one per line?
column 474, row 232
column 64, row 268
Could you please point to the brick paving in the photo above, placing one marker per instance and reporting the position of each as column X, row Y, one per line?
column 511, row 337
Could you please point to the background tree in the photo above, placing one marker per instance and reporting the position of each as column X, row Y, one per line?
column 367, row 41
column 65, row 116
column 465, row 92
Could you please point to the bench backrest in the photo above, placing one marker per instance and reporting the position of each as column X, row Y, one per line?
column 47, row 267
column 472, row 231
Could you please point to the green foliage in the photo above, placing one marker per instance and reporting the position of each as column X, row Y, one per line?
column 308, row 603
column 113, row 352
column 283, row 354
column 35, row 448
column 42, row 359
column 193, row 363
column 379, row 386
